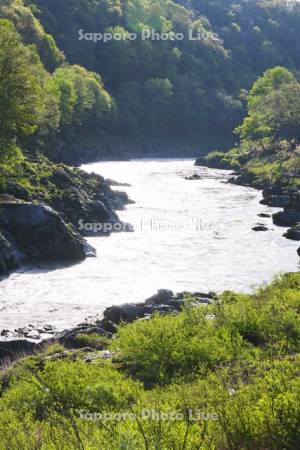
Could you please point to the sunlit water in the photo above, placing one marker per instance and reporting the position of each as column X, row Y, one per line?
column 190, row 235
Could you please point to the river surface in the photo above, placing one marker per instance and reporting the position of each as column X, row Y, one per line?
column 189, row 235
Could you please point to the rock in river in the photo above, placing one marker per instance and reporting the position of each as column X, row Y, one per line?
column 287, row 218
column 260, row 227
column 293, row 233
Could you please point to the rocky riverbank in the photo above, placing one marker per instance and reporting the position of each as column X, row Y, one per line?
column 20, row 342
column 43, row 218
column 278, row 195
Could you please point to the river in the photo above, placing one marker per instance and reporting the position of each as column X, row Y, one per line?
column 189, row 235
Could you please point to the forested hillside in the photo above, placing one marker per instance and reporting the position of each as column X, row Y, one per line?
column 44, row 101
column 149, row 91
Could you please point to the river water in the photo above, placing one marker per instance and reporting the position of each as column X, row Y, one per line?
column 189, row 235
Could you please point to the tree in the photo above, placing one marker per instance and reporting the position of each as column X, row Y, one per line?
column 281, row 110
column 20, row 90
column 68, row 96
column 273, row 107
column 157, row 97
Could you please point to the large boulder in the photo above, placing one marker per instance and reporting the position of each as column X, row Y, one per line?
column 8, row 260
column 39, row 232
column 15, row 349
column 294, row 194
column 163, row 296
column 287, row 218
column 271, row 191
column 276, row 201
column 243, row 179
column 293, row 233
column 201, row 161
column 129, row 312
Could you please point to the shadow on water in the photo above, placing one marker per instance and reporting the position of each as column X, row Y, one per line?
column 38, row 267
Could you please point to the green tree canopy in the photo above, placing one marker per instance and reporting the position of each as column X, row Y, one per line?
column 20, row 89
column 273, row 107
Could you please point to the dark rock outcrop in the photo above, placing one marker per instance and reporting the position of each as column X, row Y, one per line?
column 39, row 232
column 287, row 218
column 129, row 312
column 201, row 161
column 244, row 179
column 8, row 259
column 86, row 198
column 75, row 194
column 293, row 233
column 162, row 296
column 69, row 337
column 16, row 349
column 163, row 302
column 276, row 201
column 271, row 191
column 78, row 204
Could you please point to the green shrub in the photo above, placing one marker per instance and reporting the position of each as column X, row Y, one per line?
column 240, row 327
column 91, row 340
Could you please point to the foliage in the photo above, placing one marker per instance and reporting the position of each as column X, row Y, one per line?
column 246, row 398
column 20, row 90
column 273, row 107
column 269, row 150
column 201, row 338
column 192, row 90
column 206, row 76
column 39, row 110
column 31, row 31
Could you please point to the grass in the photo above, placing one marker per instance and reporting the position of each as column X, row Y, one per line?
column 221, row 376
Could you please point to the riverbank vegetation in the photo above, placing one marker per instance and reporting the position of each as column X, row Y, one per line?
column 224, row 375
column 269, row 149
